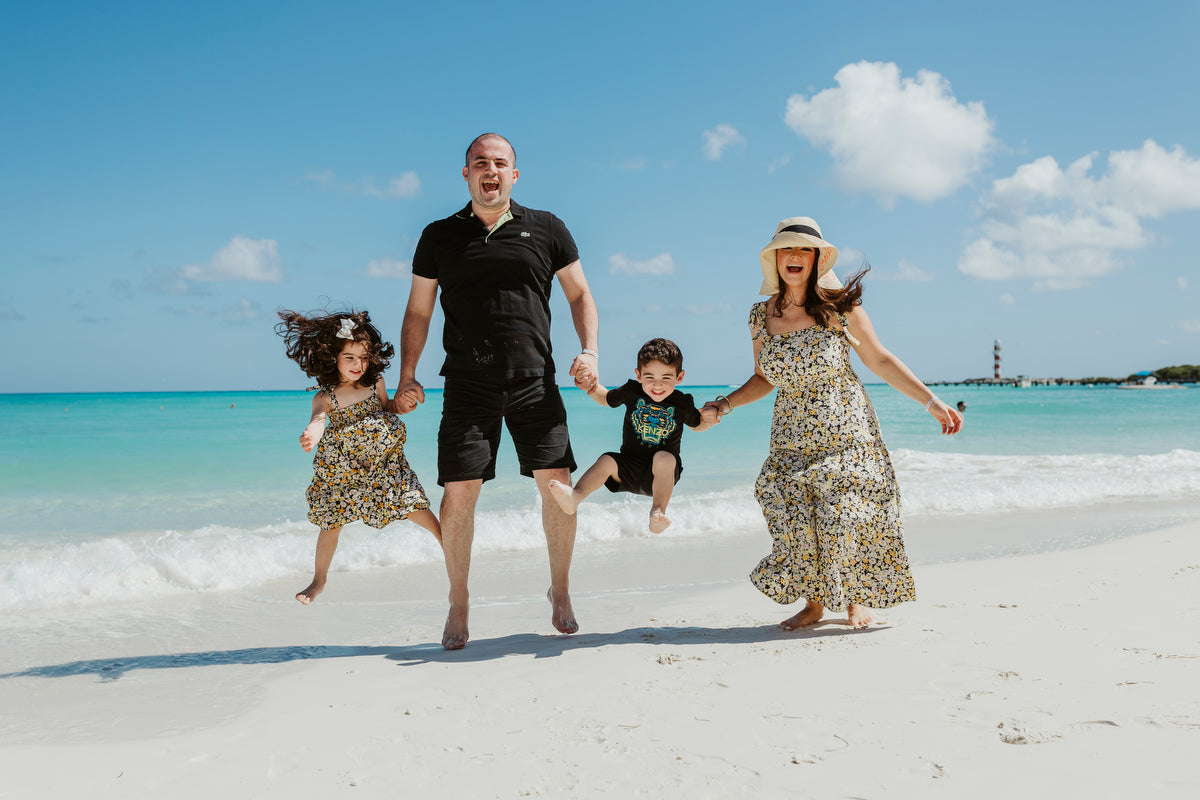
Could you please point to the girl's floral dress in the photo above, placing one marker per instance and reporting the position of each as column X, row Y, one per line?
column 359, row 470
column 827, row 489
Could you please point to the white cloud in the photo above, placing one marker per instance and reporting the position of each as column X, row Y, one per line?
column 245, row 311
column 1190, row 325
column 892, row 137
column 407, row 185
column 718, row 308
column 633, row 165
column 241, row 260
column 719, row 139
column 1007, row 300
column 778, row 164
column 388, row 268
column 1181, row 282
column 907, row 272
column 1064, row 227
column 654, row 308
column 662, row 264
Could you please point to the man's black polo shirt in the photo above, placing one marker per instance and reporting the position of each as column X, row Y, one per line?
column 496, row 290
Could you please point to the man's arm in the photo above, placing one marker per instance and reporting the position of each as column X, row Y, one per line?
column 415, row 330
column 586, row 367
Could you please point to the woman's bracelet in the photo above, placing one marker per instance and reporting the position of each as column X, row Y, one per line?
column 721, row 397
column 587, row 351
column 930, row 402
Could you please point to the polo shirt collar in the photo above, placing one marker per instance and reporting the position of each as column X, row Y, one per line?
column 514, row 208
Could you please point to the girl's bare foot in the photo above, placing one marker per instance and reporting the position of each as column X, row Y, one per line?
column 811, row 615
column 455, row 634
column 564, row 495
column 860, row 616
column 310, row 592
column 658, row 521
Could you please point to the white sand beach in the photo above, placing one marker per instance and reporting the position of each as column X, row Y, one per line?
column 1062, row 674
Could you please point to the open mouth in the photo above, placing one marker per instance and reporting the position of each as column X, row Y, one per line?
column 491, row 186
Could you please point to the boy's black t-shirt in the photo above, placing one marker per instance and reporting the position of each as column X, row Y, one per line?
column 649, row 425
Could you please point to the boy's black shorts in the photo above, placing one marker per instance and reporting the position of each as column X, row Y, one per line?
column 472, row 411
column 636, row 473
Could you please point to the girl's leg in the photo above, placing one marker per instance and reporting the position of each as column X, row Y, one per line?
column 327, row 542
column 663, row 469
column 569, row 499
column 427, row 520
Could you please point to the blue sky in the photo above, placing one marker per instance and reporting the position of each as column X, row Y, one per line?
column 172, row 174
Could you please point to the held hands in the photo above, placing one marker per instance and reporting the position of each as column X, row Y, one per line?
column 710, row 413
column 585, row 369
column 407, row 396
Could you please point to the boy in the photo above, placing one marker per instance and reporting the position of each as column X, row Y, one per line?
column 655, row 413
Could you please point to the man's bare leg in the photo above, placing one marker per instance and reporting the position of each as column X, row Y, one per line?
column 560, row 542
column 811, row 615
column 327, row 542
column 458, row 533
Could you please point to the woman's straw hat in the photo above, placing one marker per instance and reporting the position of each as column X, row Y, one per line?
column 798, row 232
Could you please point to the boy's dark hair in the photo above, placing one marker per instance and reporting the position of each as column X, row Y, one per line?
column 313, row 343
column 663, row 351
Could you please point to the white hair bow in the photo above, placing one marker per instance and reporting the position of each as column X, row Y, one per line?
column 345, row 332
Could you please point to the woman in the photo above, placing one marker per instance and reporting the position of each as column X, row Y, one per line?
column 827, row 489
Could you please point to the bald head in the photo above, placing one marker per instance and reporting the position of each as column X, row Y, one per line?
column 489, row 137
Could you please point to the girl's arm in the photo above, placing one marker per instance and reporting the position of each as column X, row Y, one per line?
column 894, row 372
column 316, row 424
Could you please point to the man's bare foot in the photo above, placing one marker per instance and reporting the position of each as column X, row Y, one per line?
column 455, row 634
column 562, row 615
column 811, row 615
column 860, row 616
column 310, row 592
column 564, row 495
column 658, row 521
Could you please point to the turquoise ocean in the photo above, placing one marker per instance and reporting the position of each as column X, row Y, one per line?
column 120, row 498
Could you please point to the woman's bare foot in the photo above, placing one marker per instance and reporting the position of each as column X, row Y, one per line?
column 658, row 521
column 811, row 615
column 455, row 634
column 310, row 592
column 562, row 615
column 564, row 495
column 860, row 616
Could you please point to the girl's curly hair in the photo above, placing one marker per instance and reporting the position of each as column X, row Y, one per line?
column 313, row 343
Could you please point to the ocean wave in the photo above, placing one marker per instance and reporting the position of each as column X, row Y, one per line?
column 214, row 558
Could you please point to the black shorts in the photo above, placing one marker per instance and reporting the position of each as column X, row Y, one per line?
column 636, row 474
column 469, row 434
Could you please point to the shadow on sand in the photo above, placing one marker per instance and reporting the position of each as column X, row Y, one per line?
column 521, row 644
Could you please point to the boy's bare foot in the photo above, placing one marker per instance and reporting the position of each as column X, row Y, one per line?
column 860, row 616
column 658, row 521
column 811, row 615
column 310, row 592
column 562, row 615
column 455, row 634
column 565, row 496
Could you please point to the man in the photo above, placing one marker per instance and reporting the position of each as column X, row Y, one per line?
column 495, row 262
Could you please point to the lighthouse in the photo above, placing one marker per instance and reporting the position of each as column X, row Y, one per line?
column 996, row 361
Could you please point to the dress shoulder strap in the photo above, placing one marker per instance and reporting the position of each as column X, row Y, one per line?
column 846, row 330
column 758, row 321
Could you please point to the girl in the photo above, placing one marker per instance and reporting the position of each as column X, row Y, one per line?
column 359, row 470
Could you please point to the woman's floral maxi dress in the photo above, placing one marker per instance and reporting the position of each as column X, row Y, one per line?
column 827, row 489
column 359, row 471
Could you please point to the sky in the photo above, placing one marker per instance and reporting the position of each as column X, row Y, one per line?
column 171, row 175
